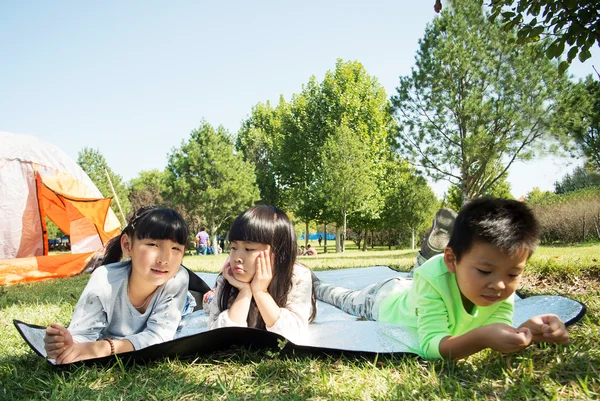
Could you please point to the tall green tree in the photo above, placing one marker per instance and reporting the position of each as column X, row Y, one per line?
column 579, row 179
column 409, row 202
column 147, row 189
column 95, row 166
column 209, row 180
column 348, row 182
column 474, row 99
column 259, row 140
column 581, row 108
column 574, row 24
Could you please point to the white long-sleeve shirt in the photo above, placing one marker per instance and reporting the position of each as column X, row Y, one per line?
column 104, row 309
column 293, row 319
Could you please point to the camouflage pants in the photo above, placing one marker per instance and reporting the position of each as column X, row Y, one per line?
column 361, row 303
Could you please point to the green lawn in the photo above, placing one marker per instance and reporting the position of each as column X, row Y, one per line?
column 540, row 372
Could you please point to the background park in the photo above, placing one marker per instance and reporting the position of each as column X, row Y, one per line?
column 343, row 156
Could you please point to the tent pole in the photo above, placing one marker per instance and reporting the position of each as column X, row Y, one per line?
column 116, row 197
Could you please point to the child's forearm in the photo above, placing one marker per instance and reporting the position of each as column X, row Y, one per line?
column 269, row 310
column 238, row 312
column 458, row 347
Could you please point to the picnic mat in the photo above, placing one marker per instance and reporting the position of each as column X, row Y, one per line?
column 332, row 332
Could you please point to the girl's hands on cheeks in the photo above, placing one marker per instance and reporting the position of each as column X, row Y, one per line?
column 264, row 272
column 232, row 280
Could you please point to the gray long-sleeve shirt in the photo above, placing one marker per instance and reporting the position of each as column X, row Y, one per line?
column 104, row 309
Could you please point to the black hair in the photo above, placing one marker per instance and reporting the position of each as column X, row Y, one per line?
column 509, row 225
column 153, row 222
column 267, row 225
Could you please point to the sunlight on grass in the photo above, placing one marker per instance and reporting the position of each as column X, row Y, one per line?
column 540, row 372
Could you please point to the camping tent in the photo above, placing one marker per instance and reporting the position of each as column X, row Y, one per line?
column 38, row 180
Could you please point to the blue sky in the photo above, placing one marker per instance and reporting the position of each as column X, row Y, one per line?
column 132, row 79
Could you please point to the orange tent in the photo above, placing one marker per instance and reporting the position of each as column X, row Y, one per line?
column 38, row 180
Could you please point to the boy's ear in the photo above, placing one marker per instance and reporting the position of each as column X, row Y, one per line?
column 450, row 259
column 126, row 245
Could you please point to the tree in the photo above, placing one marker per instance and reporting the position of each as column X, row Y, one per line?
column 409, row 201
column 348, row 180
column 95, row 166
column 259, row 140
column 475, row 102
column 147, row 189
column 581, row 106
column 208, row 180
column 580, row 178
column 573, row 23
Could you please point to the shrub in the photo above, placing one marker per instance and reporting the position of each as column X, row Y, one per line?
column 569, row 218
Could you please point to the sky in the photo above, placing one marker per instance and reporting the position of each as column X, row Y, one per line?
column 133, row 79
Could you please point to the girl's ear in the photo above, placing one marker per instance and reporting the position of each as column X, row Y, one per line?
column 450, row 259
column 126, row 245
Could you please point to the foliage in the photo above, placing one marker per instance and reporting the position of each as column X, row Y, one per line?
column 147, row 189
column 206, row 179
column 569, row 218
column 53, row 230
column 580, row 178
column 348, row 181
column 475, row 101
column 94, row 164
column 573, row 23
column 500, row 189
column 257, row 140
column 581, row 105
column 409, row 201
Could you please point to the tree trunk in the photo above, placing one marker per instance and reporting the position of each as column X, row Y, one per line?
column 364, row 248
column 338, row 247
column 344, row 234
column 306, row 236
column 325, row 237
column 413, row 239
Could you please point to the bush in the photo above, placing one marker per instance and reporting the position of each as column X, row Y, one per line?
column 569, row 218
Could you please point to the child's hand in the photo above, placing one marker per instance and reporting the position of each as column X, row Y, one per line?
column 506, row 339
column 80, row 351
column 547, row 328
column 57, row 339
column 232, row 280
column 264, row 272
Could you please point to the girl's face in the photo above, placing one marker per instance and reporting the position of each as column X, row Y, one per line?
column 243, row 257
column 153, row 261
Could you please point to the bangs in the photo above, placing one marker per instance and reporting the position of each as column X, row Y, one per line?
column 255, row 225
column 160, row 224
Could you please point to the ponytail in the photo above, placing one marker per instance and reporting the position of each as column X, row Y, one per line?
column 113, row 252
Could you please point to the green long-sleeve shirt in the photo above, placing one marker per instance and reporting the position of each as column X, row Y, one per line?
column 433, row 305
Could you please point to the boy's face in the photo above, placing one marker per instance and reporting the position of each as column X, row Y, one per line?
column 486, row 275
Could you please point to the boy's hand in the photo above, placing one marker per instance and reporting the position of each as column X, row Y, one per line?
column 506, row 339
column 57, row 339
column 264, row 272
column 547, row 328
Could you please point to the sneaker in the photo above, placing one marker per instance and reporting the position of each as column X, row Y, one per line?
column 439, row 235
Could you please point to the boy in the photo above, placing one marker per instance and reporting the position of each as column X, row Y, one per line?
column 462, row 301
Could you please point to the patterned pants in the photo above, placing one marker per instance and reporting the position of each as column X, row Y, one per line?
column 361, row 303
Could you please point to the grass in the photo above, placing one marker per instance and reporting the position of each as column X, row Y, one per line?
column 540, row 372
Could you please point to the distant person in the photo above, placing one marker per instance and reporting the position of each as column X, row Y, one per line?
column 301, row 250
column 310, row 251
column 133, row 304
column 202, row 242
column 462, row 301
column 261, row 285
column 320, row 239
column 222, row 244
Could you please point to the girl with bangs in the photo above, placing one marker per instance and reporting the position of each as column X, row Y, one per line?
column 131, row 304
column 261, row 285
